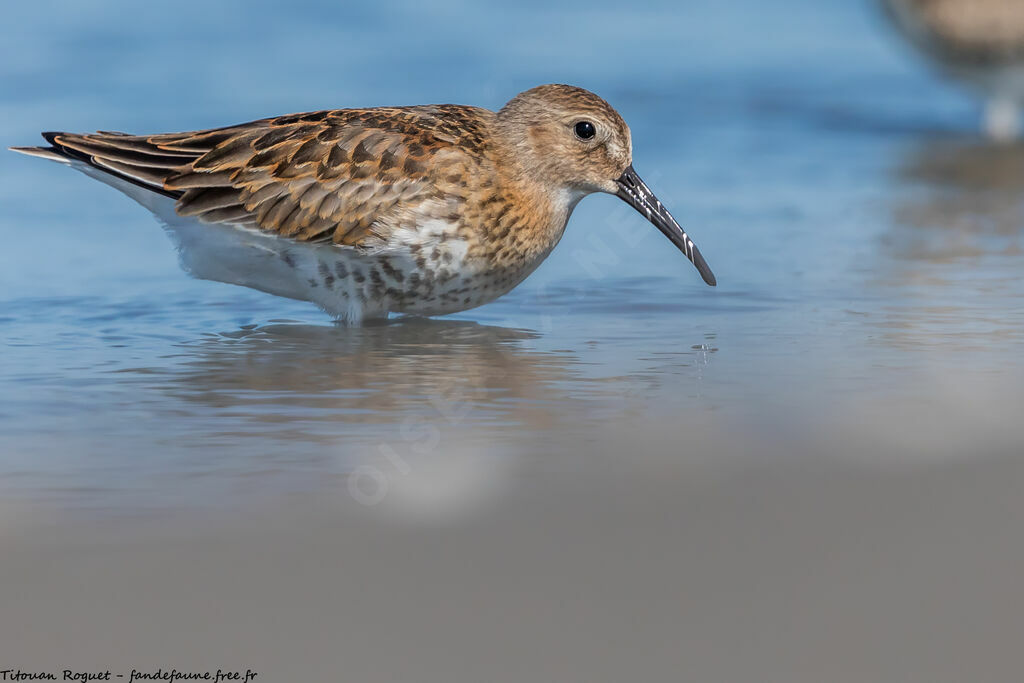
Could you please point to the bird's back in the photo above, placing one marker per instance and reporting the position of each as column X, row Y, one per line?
column 963, row 33
column 327, row 176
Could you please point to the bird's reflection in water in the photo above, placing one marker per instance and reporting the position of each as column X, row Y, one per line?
column 303, row 380
column 426, row 404
column 970, row 204
column 953, row 246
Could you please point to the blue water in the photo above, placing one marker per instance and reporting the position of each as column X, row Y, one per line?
column 867, row 246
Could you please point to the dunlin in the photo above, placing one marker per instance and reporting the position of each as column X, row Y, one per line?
column 980, row 42
column 421, row 210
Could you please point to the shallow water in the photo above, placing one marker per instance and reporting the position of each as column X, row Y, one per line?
column 867, row 247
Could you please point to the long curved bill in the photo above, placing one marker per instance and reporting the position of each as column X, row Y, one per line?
column 635, row 192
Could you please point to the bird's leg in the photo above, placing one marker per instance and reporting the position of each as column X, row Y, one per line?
column 1002, row 119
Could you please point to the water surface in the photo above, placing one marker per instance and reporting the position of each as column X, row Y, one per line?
column 866, row 243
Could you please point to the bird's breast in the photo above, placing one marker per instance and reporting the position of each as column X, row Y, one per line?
column 443, row 265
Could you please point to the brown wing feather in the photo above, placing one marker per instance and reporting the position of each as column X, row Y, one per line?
column 329, row 175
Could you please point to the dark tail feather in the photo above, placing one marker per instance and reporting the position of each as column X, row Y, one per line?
column 143, row 166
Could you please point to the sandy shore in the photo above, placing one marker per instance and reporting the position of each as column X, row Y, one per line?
column 789, row 568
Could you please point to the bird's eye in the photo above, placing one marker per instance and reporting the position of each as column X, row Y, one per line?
column 585, row 130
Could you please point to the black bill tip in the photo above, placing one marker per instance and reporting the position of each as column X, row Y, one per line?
column 704, row 269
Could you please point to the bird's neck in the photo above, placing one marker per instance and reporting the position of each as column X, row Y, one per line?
column 523, row 219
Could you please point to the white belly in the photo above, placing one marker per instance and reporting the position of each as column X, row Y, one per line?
column 423, row 270
column 428, row 278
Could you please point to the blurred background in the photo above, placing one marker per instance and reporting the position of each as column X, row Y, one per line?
column 809, row 473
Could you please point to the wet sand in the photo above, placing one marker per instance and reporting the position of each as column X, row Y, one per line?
column 831, row 556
